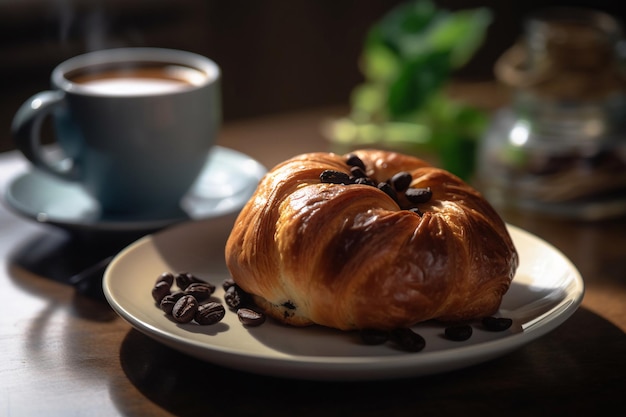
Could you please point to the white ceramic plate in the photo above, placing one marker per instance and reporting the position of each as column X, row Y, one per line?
column 227, row 181
column 546, row 291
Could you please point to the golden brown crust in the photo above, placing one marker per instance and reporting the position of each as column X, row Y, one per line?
column 348, row 257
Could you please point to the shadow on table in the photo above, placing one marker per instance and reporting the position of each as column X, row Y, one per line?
column 577, row 369
column 58, row 256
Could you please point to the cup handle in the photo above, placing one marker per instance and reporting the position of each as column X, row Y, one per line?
column 26, row 131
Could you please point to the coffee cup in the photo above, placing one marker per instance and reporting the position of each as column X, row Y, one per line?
column 134, row 126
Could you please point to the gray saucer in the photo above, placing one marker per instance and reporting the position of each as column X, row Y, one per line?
column 225, row 185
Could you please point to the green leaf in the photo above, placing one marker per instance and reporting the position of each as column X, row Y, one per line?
column 379, row 63
column 405, row 21
column 461, row 32
column 368, row 100
column 417, row 81
column 408, row 56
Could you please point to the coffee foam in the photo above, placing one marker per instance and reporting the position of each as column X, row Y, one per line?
column 139, row 81
column 133, row 86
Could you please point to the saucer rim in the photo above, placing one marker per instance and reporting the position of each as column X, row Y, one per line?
column 119, row 225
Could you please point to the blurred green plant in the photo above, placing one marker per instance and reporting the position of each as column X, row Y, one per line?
column 408, row 58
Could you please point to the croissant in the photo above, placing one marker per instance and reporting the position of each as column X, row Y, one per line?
column 341, row 241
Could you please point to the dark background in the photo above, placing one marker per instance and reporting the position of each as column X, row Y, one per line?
column 276, row 55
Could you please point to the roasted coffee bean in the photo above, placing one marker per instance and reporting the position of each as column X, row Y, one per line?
column 418, row 195
column 496, row 324
column 235, row 297
column 416, row 211
column 185, row 309
column 183, row 280
column 167, row 303
column 201, row 291
column 357, row 172
column 365, row 181
column 458, row 332
column 401, row 181
column 373, row 336
column 227, row 283
column 160, row 290
column 388, row 189
column 250, row 317
column 408, row 340
column 209, row 313
column 166, row 277
column 334, row 177
column 354, row 161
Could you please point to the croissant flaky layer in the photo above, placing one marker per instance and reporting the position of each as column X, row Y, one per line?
column 352, row 257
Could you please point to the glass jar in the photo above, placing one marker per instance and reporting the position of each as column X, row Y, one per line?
column 560, row 147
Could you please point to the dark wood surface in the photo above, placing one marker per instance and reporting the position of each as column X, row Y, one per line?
column 66, row 353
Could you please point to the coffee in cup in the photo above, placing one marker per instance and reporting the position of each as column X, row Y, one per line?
column 140, row 79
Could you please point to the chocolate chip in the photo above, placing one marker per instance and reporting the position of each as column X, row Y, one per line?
column 401, row 181
column 250, row 317
column 418, row 195
column 458, row 332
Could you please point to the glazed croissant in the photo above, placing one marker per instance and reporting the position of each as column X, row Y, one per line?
column 324, row 242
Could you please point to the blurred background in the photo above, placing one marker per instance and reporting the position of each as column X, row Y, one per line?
column 276, row 55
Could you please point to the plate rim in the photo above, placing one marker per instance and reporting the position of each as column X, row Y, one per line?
column 372, row 367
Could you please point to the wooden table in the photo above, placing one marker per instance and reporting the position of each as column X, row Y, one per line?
column 67, row 354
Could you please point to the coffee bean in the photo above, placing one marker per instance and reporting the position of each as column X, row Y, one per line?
column 185, row 309
column 408, row 340
column 334, row 177
column 418, row 195
column 496, row 324
column 160, row 290
column 401, row 181
column 365, row 181
column 167, row 303
column 201, row 291
column 250, row 317
column 184, row 279
column 235, row 297
column 357, row 172
column 166, row 277
column 388, row 189
column 354, row 161
column 227, row 283
column 373, row 336
column 416, row 211
column 458, row 332
column 209, row 313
